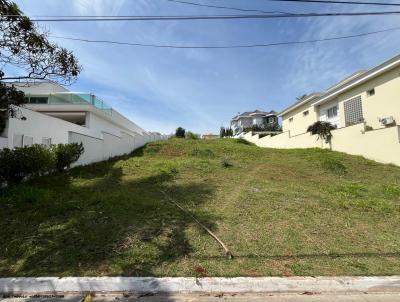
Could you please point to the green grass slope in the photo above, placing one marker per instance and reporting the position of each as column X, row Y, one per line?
column 281, row 212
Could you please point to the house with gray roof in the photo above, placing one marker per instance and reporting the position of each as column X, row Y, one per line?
column 251, row 119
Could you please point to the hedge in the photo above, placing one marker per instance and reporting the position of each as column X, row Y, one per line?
column 36, row 160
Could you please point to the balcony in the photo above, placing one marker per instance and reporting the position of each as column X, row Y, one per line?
column 69, row 98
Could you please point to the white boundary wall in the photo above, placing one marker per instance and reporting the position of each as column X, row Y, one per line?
column 381, row 145
column 99, row 144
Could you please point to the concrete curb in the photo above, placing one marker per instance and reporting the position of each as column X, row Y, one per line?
column 191, row 285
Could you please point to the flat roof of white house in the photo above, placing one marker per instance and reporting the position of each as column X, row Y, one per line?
column 60, row 99
column 348, row 83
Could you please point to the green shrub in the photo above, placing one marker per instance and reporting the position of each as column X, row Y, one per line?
column 20, row 163
column 191, row 135
column 322, row 129
column 180, row 132
column 226, row 163
column 368, row 128
column 67, row 154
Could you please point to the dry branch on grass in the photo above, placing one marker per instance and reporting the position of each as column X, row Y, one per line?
column 228, row 253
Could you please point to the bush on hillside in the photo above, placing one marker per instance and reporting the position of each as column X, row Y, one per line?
column 36, row 160
column 226, row 163
column 322, row 129
column 264, row 127
column 180, row 132
column 20, row 163
column 67, row 154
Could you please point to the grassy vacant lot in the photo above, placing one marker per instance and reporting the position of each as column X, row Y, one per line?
column 281, row 212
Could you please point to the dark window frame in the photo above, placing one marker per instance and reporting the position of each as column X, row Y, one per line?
column 332, row 112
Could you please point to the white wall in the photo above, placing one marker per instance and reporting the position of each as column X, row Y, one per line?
column 101, row 141
column 93, row 148
column 38, row 125
column 3, row 142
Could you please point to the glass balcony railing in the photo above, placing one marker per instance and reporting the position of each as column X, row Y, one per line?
column 69, row 98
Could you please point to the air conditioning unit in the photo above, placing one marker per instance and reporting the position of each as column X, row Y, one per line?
column 386, row 121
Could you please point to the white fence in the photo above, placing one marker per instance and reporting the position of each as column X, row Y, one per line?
column 99, row 144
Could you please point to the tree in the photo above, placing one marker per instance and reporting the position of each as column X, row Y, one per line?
column 222, row 132
column 180, row 132
column 31, row 55
column 9, row 97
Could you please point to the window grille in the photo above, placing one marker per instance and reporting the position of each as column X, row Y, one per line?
column 353, row 111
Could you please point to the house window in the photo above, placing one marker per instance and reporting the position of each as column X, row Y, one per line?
column 353, row 111
column 371, row 92
column 290, row 120
column 332, row 112
column 28, row 141
column 38, row 100
column 17, row 140
column 305, row 113
column 46, row 141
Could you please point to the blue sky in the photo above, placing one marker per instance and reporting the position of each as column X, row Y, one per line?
column 201, row 89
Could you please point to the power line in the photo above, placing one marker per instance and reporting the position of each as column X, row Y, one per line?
column 228, row 46
column 201, row 17
column 341, row 2
column 227, row 7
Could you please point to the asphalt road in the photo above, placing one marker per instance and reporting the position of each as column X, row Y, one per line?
column 217, row 298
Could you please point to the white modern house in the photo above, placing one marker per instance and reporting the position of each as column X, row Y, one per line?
column 55, row 115
column 246, row 120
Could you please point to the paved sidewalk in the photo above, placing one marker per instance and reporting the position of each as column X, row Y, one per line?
column 220, row 298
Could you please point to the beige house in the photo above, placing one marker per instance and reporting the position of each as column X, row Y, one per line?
column 371, row 97
column 364, row 107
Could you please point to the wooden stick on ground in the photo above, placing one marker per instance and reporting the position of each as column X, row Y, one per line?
column 228, row 253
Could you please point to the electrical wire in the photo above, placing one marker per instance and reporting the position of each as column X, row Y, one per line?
column 341, row 2
column 227, row 46
column 227, row 7
column 201, row 17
